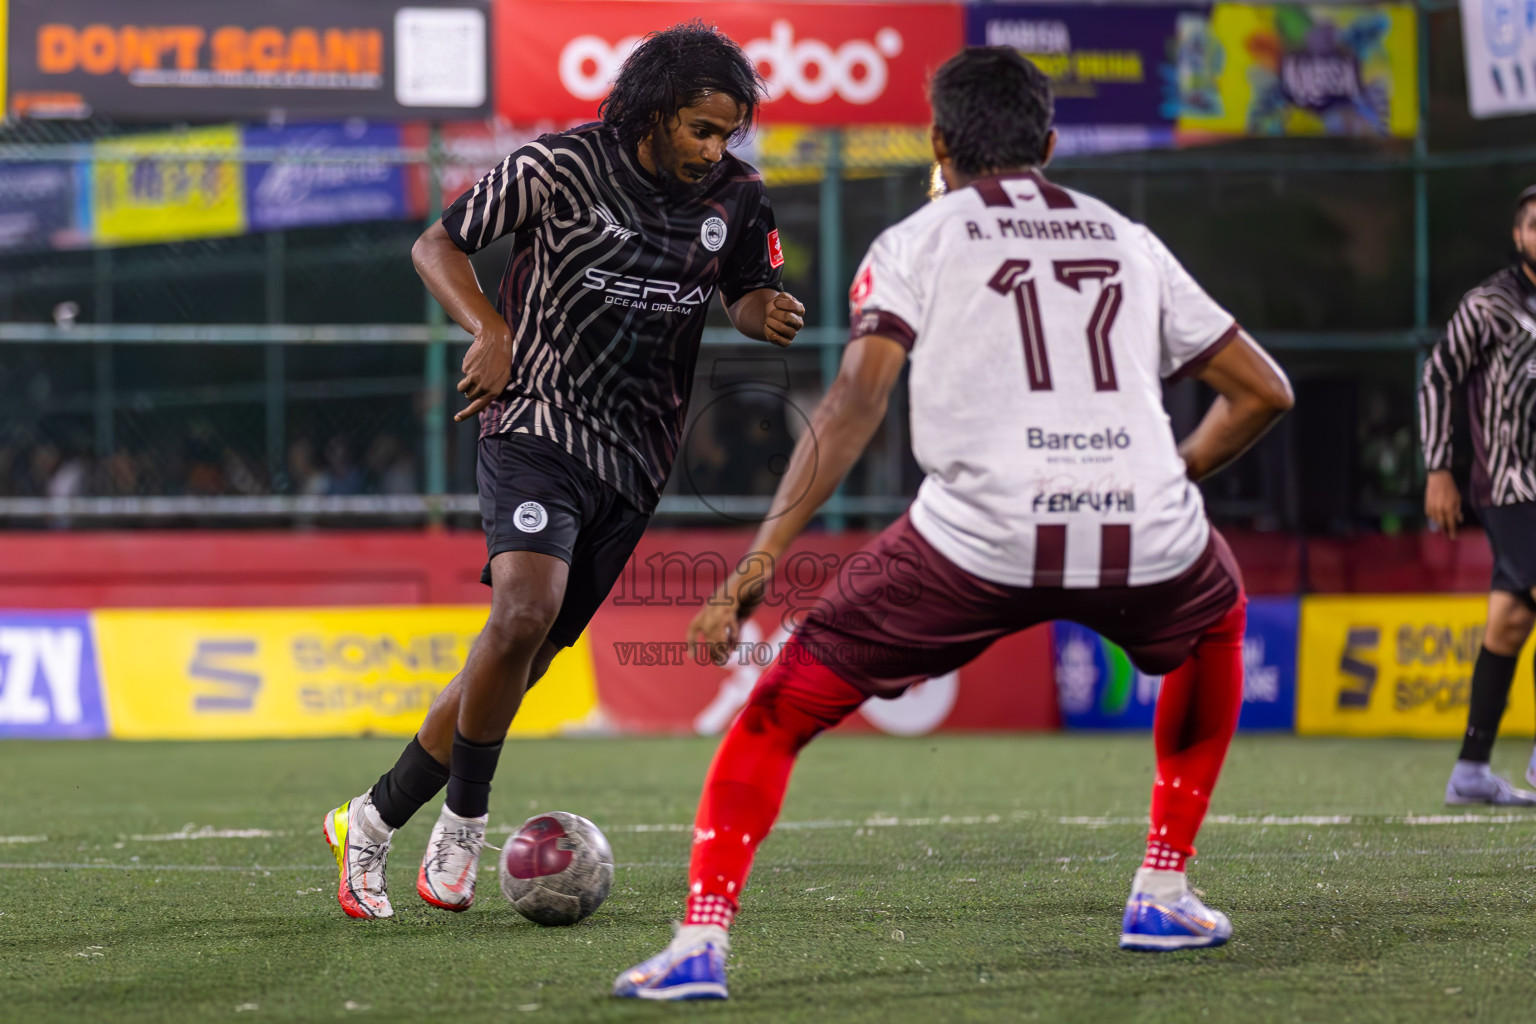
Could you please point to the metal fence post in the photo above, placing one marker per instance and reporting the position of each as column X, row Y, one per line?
column 275, row 374
column 434, row 371
column 1421, row 217
column 830, row 258
column 105, row 402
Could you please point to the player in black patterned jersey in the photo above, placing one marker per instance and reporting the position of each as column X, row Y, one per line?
column 624, row 231
column 1490, row 349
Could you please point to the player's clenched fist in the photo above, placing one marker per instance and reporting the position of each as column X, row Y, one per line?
column 487, row 367
column 784, row 318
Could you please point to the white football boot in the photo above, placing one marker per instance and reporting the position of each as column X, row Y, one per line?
column 1473, row 782
column 448, row 869
column 359, row 840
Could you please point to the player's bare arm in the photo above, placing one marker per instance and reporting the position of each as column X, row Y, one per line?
column 1252, row 393
column 848, row 416
column 1442, row 501
column 450, row 278
column 768, row 315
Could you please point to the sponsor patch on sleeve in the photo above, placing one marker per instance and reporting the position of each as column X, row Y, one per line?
column 863, row 287
column 775, row 251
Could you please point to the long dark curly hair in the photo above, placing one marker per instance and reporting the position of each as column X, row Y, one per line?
column 673, row 69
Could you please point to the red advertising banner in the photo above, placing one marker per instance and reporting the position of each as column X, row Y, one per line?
column 824, row 63
column 649, row 681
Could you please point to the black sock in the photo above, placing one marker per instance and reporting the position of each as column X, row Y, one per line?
column 1491, row 676
column 416, row 778
column 469, row 785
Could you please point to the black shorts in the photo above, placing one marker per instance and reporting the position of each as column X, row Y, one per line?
column 534, row 496
column 1512, row 535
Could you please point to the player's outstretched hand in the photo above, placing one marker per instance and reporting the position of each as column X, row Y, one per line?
column 487, row 368
column 1442, row 501
column 784, row 318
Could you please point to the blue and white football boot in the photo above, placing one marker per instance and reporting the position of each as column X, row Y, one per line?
column 692, row 967
column 1162, row 915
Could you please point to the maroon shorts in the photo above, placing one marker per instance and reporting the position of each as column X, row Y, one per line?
column 899, row 612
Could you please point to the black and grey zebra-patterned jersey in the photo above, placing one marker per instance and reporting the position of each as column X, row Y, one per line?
column 606, row 291
column 1490, row 346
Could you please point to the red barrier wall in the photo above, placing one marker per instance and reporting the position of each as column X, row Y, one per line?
column 247, row 569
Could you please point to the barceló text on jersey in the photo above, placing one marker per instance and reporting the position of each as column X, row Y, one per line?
column 1044, row 230
column 1108, row 440
column 644, row 292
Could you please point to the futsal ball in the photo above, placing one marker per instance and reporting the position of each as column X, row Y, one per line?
column 557, row 868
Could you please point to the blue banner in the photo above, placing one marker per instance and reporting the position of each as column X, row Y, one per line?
column 1099, row 688
column 37, row 207
column 1113, row 69
column 50, row 687
column 303, row 193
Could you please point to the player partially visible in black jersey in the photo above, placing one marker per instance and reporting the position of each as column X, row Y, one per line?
column 1490, row 349
column 581, row 367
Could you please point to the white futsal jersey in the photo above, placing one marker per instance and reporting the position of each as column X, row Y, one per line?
column 1041, row 324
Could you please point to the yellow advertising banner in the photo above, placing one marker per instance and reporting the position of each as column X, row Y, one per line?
column 791, row 154
column 1299, row 69
column 142, row 192
column 258, row 673
column 1396, row 666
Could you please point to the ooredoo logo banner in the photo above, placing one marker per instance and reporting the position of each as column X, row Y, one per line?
column 824, row 63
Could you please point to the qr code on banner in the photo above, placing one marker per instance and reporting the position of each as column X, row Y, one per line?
column 439, row 57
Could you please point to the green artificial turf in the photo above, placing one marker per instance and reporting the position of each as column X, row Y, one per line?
column 868, row 907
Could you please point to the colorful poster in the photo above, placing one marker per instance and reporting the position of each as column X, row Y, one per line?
column 1498, row 39
column 159, row 61
column 143, row 191
column 248, row 673
column 1298, row 69
column 1111, row 68
column 300, row 191
column 49, row 684
column 1099, row 688
column 1397, row 666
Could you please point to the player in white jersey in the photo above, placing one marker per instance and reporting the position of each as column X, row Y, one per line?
column 1040, row 325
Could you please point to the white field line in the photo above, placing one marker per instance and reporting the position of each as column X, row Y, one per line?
column 1385, row 853
column 192, row 832
column 206, row 832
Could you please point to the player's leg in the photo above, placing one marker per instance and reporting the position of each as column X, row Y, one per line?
column 421, row 771
column 609, row 530
column 1511, row 531
column 526, row 596
column 1195, row 719
column 1472, row 781
column 832, row 666
column 418, row 775
column 527, row 590
column 797, row 699
column 531, row 499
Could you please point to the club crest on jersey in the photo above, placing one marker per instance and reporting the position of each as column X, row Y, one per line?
column 775, row 251
column 530, row 517
column 712, row 234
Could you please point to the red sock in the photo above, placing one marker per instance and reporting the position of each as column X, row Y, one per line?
column 795, row 700
column 1196, row 716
